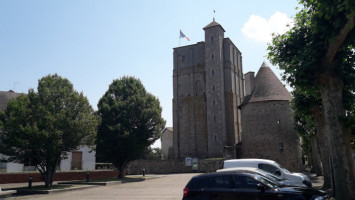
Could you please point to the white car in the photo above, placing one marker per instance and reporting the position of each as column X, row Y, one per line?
column 281, row 181
column 269, row 166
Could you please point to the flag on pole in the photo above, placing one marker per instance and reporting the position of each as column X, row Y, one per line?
column 182, row 35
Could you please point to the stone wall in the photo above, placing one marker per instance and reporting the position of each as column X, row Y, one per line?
column 268, row 133
column 167, row 143
column 171, row 166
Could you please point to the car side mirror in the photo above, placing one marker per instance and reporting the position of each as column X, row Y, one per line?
column 278, row 172
column 260, row 186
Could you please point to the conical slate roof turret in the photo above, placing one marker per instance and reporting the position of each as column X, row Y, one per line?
column 268, row 87
column 5, row 97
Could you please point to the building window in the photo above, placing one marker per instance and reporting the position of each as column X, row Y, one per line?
column 183, row 58
column 211, row 38
column 212, row 71
column 212, row 56
column 281, row 145
column 214, row 118
column 212, row 88
column 214, row 102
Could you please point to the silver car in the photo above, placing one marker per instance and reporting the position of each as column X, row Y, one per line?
column 282, row 182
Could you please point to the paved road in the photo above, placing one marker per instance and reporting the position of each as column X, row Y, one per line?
column 164, row 187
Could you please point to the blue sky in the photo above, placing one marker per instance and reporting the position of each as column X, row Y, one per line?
column 93, row 42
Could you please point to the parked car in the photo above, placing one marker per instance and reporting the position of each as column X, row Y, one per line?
column 244, row 186
column 280, row 181
column 269, row 166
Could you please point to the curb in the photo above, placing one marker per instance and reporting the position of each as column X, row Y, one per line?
column 91, row 183
column 6, row 193
column 54, row 190
column 108, row 183
column 84, row 185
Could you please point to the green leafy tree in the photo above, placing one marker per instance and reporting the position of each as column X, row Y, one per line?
column 152, row 154
column 130, row 122
column 318, row 53
column 44, row 126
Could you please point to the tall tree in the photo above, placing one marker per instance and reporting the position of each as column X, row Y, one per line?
column 319, row 51
column 130, row 122
column 45, row 125
column 310, row 124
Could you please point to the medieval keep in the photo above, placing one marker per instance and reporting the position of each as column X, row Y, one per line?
column 208, row 87
column 216, row 107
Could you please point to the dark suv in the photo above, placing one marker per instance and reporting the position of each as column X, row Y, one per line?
column 244, row 186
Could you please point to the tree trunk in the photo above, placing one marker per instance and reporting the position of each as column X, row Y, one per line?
column 339, row 137
column 48, row 172
column 121, row 170
column 324, row 145
column 48, row 178
column 316, row 160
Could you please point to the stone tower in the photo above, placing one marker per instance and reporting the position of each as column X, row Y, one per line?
column 208, row 86
column 268, row 127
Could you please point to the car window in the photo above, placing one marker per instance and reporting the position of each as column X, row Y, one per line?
column 267, row 182
column 268, row 168
column 225, row 182
column 244, row 182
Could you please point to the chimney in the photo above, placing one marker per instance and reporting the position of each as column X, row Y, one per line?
column 249, row 83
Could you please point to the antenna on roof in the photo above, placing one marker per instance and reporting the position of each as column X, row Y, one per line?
column 15, row 83
column 214, row 12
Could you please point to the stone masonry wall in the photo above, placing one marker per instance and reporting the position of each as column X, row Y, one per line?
column 268, row 133
column 171, row 166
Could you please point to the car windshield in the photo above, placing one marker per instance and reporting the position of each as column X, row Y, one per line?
column 267, row 181
column 283, row 169
column 269, row 175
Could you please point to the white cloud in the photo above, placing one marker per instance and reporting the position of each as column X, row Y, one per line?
column 260, row 29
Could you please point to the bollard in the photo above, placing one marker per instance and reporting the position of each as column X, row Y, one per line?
column 87, row 176
column 30, row 182
column 143, row 171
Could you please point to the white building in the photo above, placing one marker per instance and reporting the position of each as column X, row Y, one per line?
column 81, row 159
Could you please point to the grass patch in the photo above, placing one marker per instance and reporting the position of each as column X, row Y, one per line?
column 214, row 159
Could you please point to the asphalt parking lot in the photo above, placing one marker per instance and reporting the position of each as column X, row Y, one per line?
column 160, row 187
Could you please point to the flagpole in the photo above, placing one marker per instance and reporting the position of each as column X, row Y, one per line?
column 179, row 37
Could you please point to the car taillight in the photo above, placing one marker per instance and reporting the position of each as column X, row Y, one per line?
column 186, row 191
